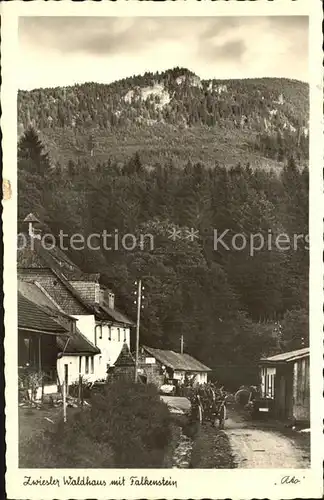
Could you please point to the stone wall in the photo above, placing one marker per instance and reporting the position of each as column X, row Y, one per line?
column 124, row 373
column 153, row 373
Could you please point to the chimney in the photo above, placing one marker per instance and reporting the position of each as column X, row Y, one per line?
column 97, row 293
column 111, row 300
column 181, row 344
column 101, row 296
column 109, row 297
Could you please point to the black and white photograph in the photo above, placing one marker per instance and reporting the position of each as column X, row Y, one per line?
column 163, row 249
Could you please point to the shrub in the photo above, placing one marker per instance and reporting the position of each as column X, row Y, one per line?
column 126, row 426
column 133, row 419
column 85, row 389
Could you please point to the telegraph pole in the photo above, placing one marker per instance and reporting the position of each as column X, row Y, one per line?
column 139, row 299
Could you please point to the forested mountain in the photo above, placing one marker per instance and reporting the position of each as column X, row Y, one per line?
column 76, row 171
column 172, row 115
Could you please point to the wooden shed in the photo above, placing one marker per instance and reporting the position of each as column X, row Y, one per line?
column 285, row 378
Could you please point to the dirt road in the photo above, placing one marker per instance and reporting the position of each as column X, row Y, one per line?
column 256, row 446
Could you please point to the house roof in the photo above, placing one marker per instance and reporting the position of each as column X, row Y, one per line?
column 286, row 357
column 177, row 361
column 115, row 315
column 125, row 357
column 31, row 218
column 34, row 292
column 39, row 257
column 34, row 317
column 36, row 255
column 76, row 344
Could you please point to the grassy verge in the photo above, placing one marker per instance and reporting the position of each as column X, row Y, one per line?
column 211, row 450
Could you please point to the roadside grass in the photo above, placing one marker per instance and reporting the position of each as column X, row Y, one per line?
column 211, row 450
column 127, row 426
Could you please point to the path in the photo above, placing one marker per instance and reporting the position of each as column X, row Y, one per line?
column 256, row 446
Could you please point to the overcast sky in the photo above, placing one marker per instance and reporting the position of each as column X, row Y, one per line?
column 57, row 51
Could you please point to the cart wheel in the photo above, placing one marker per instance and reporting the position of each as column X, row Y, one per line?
column 200, row 414
column 222, row 417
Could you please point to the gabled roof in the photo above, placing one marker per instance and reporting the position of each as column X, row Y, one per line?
column 77, row 342
column 177, row 361
column 35, row 293
column 34, row 317
column 286, row 357
column 31, row 218
column 36, row 256
column 125, row 357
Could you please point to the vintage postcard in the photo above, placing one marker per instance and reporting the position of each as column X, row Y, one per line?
column 163, row 279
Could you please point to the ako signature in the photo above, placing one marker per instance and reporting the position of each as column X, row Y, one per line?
column 290, row 480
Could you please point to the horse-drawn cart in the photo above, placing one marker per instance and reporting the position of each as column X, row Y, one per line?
column 209, row 409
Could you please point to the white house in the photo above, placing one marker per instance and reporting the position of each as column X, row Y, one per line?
column 101, row 330
column 175, row 366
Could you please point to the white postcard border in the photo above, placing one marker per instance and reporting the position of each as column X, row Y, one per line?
column 237, row 483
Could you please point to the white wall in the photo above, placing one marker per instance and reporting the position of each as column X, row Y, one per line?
column 73, row 368
column 198, row 378
column 201, row 378
column 109, row 340
column 86, row 324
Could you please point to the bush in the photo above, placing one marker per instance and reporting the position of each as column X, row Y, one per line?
column 127, row 426
column 85, row 389
column 133, row 419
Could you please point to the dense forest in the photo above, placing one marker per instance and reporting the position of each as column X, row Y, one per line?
column 231, row 307
column 172, row 115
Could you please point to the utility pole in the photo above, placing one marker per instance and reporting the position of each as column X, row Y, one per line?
column 139, row 299
column 181, row 344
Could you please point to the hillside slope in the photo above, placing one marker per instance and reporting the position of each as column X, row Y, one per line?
column 170, row 115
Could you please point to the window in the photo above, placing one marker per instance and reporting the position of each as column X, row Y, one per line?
column 92, row 364
column 87, row 364
column 125, row 338
column 109, row 332
column 118, row 334
column 100, row 331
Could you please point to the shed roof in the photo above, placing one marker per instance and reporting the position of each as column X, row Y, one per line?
column 286, row 357
column 77, row 344
column 177, row 361
column 34, row 317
